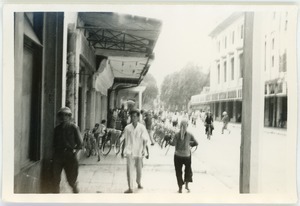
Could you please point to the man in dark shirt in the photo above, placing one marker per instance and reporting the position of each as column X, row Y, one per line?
column 67, row 142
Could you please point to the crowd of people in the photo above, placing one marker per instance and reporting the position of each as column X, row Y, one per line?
column 137, row 130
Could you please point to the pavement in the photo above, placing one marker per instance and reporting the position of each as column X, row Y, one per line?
column 215, row 166
column 109, row 175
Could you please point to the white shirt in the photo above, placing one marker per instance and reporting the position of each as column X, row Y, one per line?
column 134, row 139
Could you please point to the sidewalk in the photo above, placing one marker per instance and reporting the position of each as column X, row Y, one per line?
column 109, row 175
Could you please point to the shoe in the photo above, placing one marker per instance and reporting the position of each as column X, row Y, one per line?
column 187, row 187
column 122, row 155
column 152, row 144
column 147, row 156
column 140, row 186
column 98, row 158
column 75, row 189
column 128, row 191
column 180, row 190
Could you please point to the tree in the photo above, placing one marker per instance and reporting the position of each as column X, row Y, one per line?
column 178, row 87
column 150, row 93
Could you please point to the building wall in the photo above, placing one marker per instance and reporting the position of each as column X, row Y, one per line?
column 38, row 91
column 227, row 46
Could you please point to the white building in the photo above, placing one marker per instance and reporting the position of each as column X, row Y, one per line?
column 226, row 74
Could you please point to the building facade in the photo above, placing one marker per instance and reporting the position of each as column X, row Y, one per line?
column 226, row 74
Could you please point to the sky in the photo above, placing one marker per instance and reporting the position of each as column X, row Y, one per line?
column 183, row 38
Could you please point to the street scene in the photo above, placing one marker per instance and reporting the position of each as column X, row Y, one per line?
column 164, row 99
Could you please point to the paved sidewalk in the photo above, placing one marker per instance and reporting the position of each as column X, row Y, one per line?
column 109, row 175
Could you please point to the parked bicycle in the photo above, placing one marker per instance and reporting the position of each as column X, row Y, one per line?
column 112, row 140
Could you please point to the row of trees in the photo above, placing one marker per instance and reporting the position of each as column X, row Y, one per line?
column 178, row 87
column 150, row 93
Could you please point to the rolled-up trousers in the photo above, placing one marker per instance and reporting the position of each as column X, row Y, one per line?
column 132, row 162
column 188, row 174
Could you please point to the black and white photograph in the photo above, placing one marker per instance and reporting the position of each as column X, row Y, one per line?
column 150, row 103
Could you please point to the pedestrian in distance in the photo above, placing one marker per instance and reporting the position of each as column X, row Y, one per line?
column 225, row 121
column 136, row 137
column 182, row 141
column 66, row 142
column 148, row 124
column 175, row 119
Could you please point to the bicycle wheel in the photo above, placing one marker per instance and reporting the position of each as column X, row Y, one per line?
column 106, row 147
column 117, row 146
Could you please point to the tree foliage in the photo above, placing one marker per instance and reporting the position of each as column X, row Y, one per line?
column 178, row 87
column 150, row 93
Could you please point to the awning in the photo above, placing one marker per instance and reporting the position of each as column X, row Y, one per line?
column 104, row 79
column 126, row 40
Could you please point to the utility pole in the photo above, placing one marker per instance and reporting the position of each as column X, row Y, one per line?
column 252, row 103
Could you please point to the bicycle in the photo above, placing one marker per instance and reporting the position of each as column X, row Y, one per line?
column 208, row 133
column 111, row 140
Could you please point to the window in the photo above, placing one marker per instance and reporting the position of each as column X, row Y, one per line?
column 274, row 15
column 225, row 42
column 241, row 59
column 265, row 59
column 273, row 43
column 225, row 71
column 282, row 62
column 273, row 61
column 218, row 46
column 232, row 68
column 233, row 37
column 242, row 31
column 218, row 73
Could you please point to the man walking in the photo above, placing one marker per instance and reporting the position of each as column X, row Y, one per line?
column 136, row 137
column 67, row 142
column 182, row 142
column 148, row 122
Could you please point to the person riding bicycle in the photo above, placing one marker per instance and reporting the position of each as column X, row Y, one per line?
column 208, row 122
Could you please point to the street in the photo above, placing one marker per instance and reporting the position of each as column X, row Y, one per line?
column 215, row 166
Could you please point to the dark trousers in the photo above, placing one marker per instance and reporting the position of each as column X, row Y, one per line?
column 188, row 174
column 65, row 160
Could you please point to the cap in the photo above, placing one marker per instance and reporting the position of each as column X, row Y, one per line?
column 64, row 110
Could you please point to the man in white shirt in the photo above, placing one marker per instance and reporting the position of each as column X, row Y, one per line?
column 136, row 137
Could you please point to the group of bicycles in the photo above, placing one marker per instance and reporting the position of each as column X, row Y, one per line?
column 163, row 135
column 111, row 140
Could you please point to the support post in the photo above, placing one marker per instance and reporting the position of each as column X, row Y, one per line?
column 253, row 104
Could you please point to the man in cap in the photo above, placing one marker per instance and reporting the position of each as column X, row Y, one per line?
column 136, row 137
column 182, row 141
column 67, row 142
